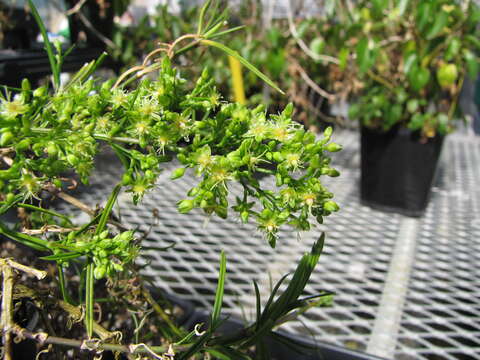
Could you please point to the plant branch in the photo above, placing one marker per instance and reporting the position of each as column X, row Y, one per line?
column 50, row 229
column 158, row 309
column 380, row 80
column 76, row 8
column 94, row 345
column 6, row 319
column 313, row 85
column 302, row 44
column 102, row 37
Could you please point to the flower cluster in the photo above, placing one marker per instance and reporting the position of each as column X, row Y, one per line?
column 157, row 121
column 109, row 255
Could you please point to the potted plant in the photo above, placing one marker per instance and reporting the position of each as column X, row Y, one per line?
column 411, row 58
column 49, row 132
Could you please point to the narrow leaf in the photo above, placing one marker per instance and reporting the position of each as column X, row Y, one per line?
column 258, row 301
column 202, row 16
column 108, row 209
column 62, row 256
column 48, row 45
column 89, row 298
column 244, row 62
column 46, row 211
column 220, row 289
column 31, row 241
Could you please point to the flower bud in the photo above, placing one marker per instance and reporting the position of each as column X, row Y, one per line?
column 99, row 272
column 184, row 206
column 331, row 206
column 6, row 138
column 244, row 216
column 333, row 147
column 177, row 173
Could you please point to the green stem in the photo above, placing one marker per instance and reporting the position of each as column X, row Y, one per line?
column 451, row 111
column 381, row 80
column 116, row 138
column 89, row 298
column 158, row 309
column 63, row 288
column 96, row 136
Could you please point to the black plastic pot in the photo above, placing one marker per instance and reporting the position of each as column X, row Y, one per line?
column 305, row 348
column 91, row 23
column 19, row 29
column 398, row 169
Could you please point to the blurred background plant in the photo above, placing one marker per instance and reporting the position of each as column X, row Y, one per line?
column 411, row 59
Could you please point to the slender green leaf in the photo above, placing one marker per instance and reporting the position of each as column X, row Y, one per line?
column 217, row 306
column 258, row 301
column 201, row 17
column 196, row 347
column 221, row 33
column 8, row 205
column 86, row 70
column 46, row 211
column 48, row 45
column 63, row 288
column 89, row 298
column 243, row 61
column 266, row 309
column 62, row 256
column 88, row 225
column 108, row 209
column 214, row 16
column 31, row 241
column 120, row 152
column 264, row 329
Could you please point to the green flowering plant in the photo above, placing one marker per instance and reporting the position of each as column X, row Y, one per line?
column 47, row 133
column 412, row 58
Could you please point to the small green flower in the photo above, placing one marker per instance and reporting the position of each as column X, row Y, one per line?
column 11, row 109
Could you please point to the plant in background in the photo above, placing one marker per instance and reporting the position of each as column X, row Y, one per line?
column 280, row 50
column 412, row 58
column 47, row 133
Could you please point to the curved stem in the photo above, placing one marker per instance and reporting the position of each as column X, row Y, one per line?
column 302, row 44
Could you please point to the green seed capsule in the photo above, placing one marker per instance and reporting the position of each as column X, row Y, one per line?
column 177, row 173
column 23, row 145
column 99, row 272
column 72, row 159
column 10, row 197
column 333, row 147
column 6, row 138
column 40, row 92
column 331, row 206
column 184, row 206
column 244, row 216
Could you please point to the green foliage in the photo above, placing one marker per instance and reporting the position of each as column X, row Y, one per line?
column 411, row 59
column 225, row 143
column 45, row 134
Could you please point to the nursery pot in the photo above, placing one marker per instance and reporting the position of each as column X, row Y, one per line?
column 398, row 169
column 279, row 343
